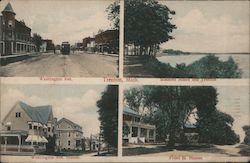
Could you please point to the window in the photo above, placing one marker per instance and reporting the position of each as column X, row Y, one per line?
column 59, row 142
column 8, row 128
column 69, row 134
column 35, row 127
column 48, row 129
column 18, row 114
column 30, row 126
column 69, row 142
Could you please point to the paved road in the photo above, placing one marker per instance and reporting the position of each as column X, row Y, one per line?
column 57, row 65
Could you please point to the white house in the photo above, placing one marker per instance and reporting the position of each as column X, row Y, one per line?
column 69, row 135
column 26, row 129
column 139, row 132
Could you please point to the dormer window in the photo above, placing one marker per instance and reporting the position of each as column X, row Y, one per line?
column 30, row 126
column 18, row 114
column 8, row 128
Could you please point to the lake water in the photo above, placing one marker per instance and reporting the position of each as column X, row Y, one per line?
column 241, row 59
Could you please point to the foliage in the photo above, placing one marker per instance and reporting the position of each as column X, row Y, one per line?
column 175, row 52
column 50, row 146
column 207, row 67
column 211, row 67
column 246, row 128
column 113, row 11
column 125, row 129
column 37, row 40
column 147, row 24
column 108, row 115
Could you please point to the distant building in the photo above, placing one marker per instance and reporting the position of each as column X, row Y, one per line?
column 26, row 129
column 15, row 37
column 88, row 44
column 107, row 42
column 47, row 46
column 69, row 135
column 139, row 132
column 97, row 143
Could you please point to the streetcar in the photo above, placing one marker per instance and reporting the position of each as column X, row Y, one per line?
column 65, row 48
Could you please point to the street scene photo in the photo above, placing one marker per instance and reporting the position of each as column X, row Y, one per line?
column 59, row 38
column 191, row 122
column 67, row 120
column 186, row 39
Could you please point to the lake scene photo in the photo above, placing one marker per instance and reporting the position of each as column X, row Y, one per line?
column 186, row 39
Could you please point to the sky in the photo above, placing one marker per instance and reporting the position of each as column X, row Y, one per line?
column 210, row 26
column 62, row 20
column 233, row 100
column 74, row 102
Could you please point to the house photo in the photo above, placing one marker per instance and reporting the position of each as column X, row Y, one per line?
column 49, row 123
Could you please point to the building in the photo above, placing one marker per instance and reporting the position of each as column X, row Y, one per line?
column 15, row 35
column 25, row 129
column 47, row 46
column 69, row 135
column 88, row 44
column 107, row 42
column 139, row 132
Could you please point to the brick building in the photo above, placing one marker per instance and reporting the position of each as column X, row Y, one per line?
column 15, row 36
column 107, row 41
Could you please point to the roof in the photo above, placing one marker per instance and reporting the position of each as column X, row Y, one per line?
column 69, row 121
column 8, row 8
column 127, row 110
column 38, row 113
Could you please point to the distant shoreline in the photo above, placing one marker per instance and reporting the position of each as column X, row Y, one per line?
column 200, row 53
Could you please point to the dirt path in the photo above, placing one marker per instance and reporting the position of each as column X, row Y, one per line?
column 74, row 65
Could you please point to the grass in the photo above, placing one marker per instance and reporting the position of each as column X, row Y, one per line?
column 158, row 149
column 143, row 150
column 69, row 153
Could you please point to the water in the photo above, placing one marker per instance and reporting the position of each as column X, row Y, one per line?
column 241, row 59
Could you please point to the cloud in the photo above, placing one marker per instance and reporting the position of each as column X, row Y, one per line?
column 198, row 32
column 81, row 110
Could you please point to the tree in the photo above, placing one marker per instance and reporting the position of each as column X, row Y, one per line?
column 246, row 128
column 50, row 146
column 214, row 126
column 113, row 11
column 37, row 40
column 108, row 115
column 147, row 24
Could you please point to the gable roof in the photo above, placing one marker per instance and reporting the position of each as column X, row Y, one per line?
column 8, row 8
column 73, row 124
column 127, row 110
column 39, row 113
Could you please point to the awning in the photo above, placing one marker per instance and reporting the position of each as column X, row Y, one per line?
column 32, row 138
column 44, row 140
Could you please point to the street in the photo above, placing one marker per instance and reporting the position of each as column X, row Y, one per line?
column 79, row 64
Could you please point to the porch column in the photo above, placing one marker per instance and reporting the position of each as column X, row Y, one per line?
column 147, row 138
column 11, row 47
column 19, row 142
column 3, row 47
column 138, row 132
column 154, row 134
column 5, row 143
column 130, row 131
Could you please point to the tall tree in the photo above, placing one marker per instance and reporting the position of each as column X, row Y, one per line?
column 108, row 115
column 37, row 40
column 147, row 24
column 113, row 11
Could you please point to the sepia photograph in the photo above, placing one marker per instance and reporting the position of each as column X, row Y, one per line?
column 78, row 38
column 58, row 120
column 189, row 121
column 186, row 39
